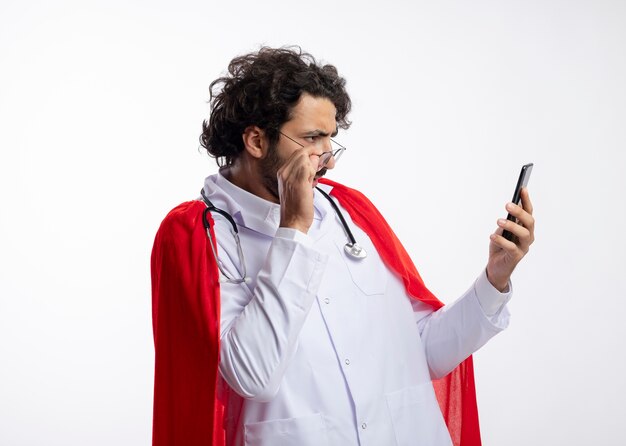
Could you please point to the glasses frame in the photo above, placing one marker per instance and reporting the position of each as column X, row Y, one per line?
column 326, row 156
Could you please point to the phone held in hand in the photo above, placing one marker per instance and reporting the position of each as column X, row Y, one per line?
column 522, row 181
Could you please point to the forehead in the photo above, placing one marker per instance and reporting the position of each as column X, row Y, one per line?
column 313, row 112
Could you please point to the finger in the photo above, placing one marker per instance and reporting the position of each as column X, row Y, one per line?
column 311, row 153
column 284, row 171
column 309, row 160
column 297, row 158
column 526, row 203
column 299, row 167
column 524, row 236
column 313, row 150
column 505, row 244
column 523, row 217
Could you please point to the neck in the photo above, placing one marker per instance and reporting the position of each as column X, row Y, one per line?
column 245, row 176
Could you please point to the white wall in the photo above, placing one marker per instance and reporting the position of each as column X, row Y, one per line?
column 100, row 111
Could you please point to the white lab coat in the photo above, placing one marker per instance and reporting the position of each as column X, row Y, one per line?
column 320, row 349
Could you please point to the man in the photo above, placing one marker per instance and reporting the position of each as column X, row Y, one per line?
column 317, row 341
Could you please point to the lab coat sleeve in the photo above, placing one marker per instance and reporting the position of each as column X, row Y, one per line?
column 455, row 331
column 260, row 329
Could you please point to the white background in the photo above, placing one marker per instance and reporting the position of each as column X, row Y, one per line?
column 100, row 113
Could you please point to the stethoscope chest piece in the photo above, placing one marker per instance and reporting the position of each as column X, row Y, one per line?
column 352, row 248
column 355, row 251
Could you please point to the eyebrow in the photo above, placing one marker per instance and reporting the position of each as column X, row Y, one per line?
column 318, row 132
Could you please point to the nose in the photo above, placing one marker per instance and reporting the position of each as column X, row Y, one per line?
column 330, row 164
column 326, row 161
column 328, row 146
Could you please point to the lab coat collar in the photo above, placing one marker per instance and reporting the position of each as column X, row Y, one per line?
column 249, row 210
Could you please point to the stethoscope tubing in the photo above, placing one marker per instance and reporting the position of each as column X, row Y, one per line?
column 346, row 228
column 352, row 248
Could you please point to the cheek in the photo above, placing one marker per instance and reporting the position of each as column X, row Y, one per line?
column 279, row 156
column 271, row 163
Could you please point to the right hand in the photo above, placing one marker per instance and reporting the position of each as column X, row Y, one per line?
column 504, row 255
column 295, row 188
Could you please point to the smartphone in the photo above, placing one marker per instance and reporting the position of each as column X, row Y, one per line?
column 522, row 181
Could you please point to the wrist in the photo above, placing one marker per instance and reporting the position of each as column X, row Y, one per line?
column 294, row 225
column 499, row 283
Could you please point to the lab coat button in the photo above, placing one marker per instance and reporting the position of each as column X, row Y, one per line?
column 327, row 300
column 364, row 426
column 347, row 361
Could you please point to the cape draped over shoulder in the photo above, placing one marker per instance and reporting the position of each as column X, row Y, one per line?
column 188, row 409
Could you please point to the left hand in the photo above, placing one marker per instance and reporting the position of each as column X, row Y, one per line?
column 504, row 255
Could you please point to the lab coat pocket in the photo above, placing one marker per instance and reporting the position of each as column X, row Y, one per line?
column 416, row 417
column 309, row 430
column 368, row 274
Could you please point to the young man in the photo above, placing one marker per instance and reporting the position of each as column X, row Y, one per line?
column 321, row 329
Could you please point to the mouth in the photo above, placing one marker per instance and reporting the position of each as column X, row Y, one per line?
column 319, row 175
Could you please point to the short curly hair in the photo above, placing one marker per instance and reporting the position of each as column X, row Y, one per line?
column 261, row 89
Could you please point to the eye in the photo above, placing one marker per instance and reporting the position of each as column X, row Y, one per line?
column 311, row 138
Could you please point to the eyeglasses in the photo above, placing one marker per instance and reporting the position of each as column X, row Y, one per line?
column 325, row 157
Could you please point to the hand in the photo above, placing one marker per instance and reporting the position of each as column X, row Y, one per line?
column 504, row 255
column 295, row 188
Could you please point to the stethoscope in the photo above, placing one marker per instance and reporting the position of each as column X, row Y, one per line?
column 352, row 248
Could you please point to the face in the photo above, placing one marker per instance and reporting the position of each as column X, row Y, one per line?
column 312, row 122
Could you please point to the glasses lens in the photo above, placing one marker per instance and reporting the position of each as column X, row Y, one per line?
column 338, row 149
column 324, row 159
column 335, row 153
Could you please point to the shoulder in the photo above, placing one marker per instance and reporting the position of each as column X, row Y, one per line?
column 338, row 188
column 347, row 196
column 182, row 221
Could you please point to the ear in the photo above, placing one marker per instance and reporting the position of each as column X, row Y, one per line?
column 255, row 142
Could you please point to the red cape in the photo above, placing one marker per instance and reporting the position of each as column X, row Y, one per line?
column 186, row 313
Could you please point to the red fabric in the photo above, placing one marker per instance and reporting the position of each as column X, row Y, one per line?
column 185, row 319
column 186, row 312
